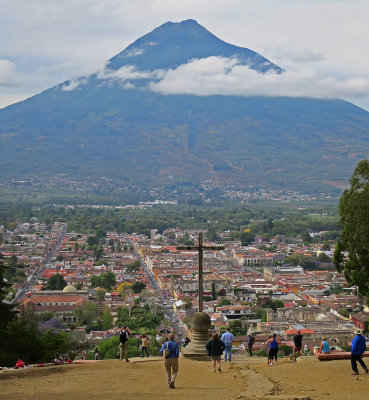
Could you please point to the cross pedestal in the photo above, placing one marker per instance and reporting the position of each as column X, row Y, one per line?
column 196, row 350
column 200, row 322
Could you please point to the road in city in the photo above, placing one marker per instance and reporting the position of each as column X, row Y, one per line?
column 164, row 298
column 37, row 274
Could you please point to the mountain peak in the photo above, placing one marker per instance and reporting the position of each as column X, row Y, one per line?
column 175, row 43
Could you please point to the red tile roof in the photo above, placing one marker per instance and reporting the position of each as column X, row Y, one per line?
column 302, row 331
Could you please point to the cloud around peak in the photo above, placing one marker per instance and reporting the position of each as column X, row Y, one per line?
column 226, row 76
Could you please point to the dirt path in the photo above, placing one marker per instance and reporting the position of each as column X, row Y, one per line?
column 108, row 380
column 244, row 379
column 306, row 379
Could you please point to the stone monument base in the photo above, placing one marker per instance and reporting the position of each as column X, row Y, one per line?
column 196, row 349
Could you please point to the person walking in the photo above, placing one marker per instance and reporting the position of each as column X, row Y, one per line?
column 96, row 353
column 250, row 343
column 215, row 348
column 227, row 339
column 273, row 343
column 358, row 347
column 144, row 346
column 170, row 359
column 124, row 334
column 297, row 341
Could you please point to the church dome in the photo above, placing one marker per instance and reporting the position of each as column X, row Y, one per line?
column 70, row 289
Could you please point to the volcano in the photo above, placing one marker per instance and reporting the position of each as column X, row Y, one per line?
column 114, row 123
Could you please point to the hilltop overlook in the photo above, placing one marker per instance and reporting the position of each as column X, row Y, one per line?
column 244, row 379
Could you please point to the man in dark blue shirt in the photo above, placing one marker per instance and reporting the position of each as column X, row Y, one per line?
column 171, row 361
column 358, row 347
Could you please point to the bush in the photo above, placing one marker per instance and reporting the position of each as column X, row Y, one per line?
column 260, row 353
column 286, row 349
column 109, row 348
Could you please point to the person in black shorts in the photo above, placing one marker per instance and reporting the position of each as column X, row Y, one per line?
column 273, row 343
column 297, row 341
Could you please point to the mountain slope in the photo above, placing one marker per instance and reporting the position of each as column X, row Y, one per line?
column 101, row 128
column 173, row 44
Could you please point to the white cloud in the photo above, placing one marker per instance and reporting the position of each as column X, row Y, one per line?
column 74, row 84
column 8, row 73
column 134, row 52
column 129, row 73
column 224, row 76
column 295, row 55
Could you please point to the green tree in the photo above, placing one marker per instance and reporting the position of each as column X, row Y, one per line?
column 306, row 238
column 307, row 263
column 100, row 294
column 211, row 234
column 133, row 267
column 237, row 328
column 224, row 302
column 100, row 233
column 92, row 241
column 107, row 319
column 213, row 291
column 354, row 240
column 326, row 246
column 344, row 312
column 277, row 304
column 138, row 286
column 20, row 275
column 324, row 258
column 336, row 289
column 46, row 316
column 247, row 237
column 7, row 313
column 24, row 340
column 98, row 253
column 188, row 303
column 56, row 282
column 106, row 280
column 13, row 260
column 87, row 313
column 123, row 315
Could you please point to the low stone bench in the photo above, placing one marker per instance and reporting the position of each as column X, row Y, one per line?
column 337, row 355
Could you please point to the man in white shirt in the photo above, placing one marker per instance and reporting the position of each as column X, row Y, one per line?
column 227, row 338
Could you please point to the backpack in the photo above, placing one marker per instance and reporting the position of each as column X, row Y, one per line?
column 166, row 352
column 123, row 337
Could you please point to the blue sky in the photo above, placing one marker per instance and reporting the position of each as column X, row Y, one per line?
column 323, row 45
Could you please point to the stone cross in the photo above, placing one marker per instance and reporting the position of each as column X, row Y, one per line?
column 200, row 248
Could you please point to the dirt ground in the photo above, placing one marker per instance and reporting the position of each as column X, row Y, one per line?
column 244, row 378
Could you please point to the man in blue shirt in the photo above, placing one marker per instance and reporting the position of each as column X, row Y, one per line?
column 171, row 361
column 358, row 347
column 227, row 338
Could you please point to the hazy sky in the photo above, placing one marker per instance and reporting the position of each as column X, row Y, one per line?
column 322, row 44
